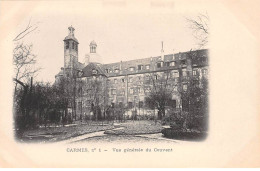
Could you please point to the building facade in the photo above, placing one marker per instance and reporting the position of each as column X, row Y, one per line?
column 125, row 84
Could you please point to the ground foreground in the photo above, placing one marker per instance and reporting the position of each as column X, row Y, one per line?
column 136, row 128
column 94, row 131
column 52, row 134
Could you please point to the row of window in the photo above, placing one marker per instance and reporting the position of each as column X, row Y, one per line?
column 74, row 45
column 145, row 89
column 147, row 77
column 140, row 104
column 147, row 67
column 159, row 65
column 131, row 91
column 141, row 67
column 166, row 64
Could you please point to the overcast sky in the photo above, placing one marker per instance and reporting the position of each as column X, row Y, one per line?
column 122, row 31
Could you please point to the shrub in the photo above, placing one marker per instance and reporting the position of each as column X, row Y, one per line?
column 183, row 135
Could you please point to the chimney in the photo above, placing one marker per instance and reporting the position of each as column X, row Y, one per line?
column 87, row 59
column 162, row 53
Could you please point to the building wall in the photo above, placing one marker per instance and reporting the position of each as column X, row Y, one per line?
column 127, row 83
column 70, row 54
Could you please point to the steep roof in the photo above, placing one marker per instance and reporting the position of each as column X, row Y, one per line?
column 71, row 37
column 124, row 66
column 93, row 43
column 88, row 70
column 80, row 65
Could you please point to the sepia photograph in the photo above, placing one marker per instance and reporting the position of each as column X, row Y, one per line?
column 119, row 83
column 125, row 85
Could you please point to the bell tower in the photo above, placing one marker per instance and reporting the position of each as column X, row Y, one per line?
column 70, row 50
column 93, row 47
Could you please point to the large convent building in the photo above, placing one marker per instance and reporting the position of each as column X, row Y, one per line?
column 125, row 84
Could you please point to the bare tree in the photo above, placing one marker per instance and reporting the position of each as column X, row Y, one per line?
column 64, row 88
column 162, row 89
column 24, row 63
column 30, row 28
column 96, row 93
column 23, row 59
column 200, row 28
column 24, row 70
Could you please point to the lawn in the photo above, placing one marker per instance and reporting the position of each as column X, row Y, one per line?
column 53, row 134
column 137, row 127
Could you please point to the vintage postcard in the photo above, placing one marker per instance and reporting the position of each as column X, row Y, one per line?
column 120, row 83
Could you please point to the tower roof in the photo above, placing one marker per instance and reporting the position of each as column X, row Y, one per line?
column 93, row 43
column 71, row 35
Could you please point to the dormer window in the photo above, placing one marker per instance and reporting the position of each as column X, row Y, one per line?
column 172, row 63
column 106, row 70
column 183, row 62
column 147, row 66
column 116, row 70
column 167, row 64
column 94, row 71
column 132, row 68
column 140, row 67
column 159, row 64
